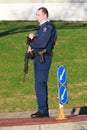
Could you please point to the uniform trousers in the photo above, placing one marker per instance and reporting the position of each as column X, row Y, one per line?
column 41, row 72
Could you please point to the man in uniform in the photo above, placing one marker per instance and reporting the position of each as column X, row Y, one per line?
column 44, row 42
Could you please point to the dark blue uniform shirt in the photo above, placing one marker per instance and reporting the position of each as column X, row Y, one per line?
column 45, row 34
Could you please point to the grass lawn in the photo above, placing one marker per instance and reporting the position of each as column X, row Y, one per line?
column 70, row 50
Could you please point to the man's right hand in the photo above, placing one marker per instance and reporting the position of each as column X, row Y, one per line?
column 30, row 49
column 31, row 35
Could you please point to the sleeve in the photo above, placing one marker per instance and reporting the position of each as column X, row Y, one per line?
column 43, row 38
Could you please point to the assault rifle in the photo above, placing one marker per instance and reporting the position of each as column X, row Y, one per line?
column 28, row 55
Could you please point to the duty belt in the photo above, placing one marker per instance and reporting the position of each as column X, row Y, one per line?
column 49, row 53
column 42, row 53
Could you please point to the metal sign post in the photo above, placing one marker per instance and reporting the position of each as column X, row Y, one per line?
column 62, row 91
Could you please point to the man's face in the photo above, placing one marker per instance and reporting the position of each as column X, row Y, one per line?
column 40, row 16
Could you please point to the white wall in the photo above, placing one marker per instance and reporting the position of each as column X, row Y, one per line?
column 42, row 1
column 67, row 11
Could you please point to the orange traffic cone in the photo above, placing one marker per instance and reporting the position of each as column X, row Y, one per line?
column 61, row 114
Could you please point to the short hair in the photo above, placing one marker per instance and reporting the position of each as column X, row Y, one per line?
column 45, row 11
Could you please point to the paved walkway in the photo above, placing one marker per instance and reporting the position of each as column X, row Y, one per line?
column 76, row 120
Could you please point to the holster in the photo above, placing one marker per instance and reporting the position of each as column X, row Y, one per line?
column 41, row 55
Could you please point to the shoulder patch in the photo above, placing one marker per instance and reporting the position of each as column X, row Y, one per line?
column 44, row 29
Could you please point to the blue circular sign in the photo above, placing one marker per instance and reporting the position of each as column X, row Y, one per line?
column 61, row 74
column 63, row 94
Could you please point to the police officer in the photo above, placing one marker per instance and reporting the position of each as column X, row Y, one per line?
column 44, row 40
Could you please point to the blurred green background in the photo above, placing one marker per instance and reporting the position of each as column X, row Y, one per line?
column 70, row 50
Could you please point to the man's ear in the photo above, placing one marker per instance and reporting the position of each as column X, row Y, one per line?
column 45, row 16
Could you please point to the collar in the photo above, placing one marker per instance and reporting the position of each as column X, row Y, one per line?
column 44, row 22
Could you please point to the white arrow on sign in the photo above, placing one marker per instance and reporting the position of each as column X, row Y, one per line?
column 62, row 96
column 61, row 76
